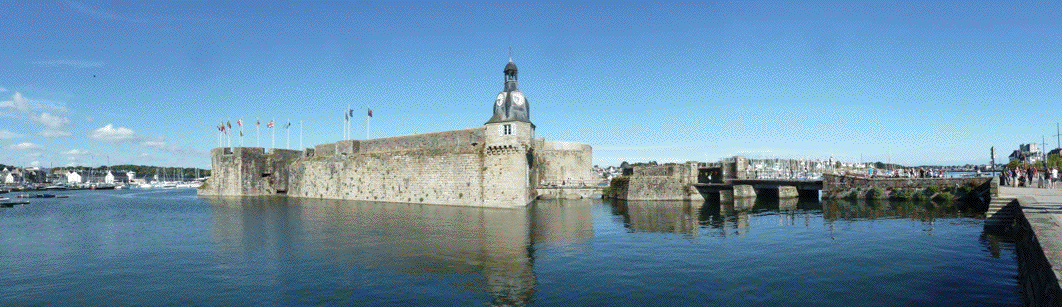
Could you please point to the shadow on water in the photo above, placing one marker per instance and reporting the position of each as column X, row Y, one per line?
column 425, row 240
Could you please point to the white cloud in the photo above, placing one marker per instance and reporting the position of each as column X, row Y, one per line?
column 27, row 105
column 51, row 121
column 157, row 144
column 115, row 135
column 34, row 155
column 50, row 133
column 4, row 134
column 146, row 157
column 27, row 109
column 24, row 146
column 17, row 102
column 53, row 125
column 162, row 145
column 35, row 163
column 2, row 89
column 77, row 152
column 69, row 63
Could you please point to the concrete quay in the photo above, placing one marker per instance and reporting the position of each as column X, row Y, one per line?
column 1037, row 223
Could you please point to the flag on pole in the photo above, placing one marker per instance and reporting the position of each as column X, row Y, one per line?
column 351, row 111
column 270, row 124
column 230, row 125
column 241, row 133
column 257, row 123
column 288, row 125
column 346, row 116
column 239, row 122
column 370, row 112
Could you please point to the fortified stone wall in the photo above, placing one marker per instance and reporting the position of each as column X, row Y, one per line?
column 432, row 176
column 1035, row 273
column 462, row 167
column 248, row 171
column 564, row 164
column 663, row 182
column 834, row 185
column 455, row 138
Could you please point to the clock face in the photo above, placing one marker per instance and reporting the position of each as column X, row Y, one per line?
column 501, row 99
column 518, row 99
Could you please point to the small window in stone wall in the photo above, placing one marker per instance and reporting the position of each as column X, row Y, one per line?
column 505, row 130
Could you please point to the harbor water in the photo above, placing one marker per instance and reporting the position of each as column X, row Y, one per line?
column 170, row 247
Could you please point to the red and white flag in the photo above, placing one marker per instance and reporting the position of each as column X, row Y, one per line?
column 270, row 124
column 239, row 122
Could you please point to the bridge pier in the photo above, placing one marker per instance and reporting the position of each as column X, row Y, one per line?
column 787, row 192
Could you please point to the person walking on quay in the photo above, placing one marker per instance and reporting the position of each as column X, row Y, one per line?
column 1054, row 176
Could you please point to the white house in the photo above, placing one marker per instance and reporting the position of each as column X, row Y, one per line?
column 73, row 177
column 109, row 178
column 9, row 178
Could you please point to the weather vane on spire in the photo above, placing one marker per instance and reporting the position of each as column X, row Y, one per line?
column 510, row 52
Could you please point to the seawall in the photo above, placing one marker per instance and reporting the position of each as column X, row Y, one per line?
column 1036, row 222
column 467, row 167
column 840, row 186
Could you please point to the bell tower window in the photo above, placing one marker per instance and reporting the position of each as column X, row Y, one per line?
column 506, row 129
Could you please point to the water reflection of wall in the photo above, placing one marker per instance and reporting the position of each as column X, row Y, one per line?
column 411, row 238
column 562, row 221
column 925, row 211
column 679, row 217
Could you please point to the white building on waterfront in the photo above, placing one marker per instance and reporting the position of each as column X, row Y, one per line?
column 1027, row 153
column 109, row 178
column 73, row 177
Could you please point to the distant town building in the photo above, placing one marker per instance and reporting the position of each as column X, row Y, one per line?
column 1027, row 153
column 109, row 178
column 73, row 177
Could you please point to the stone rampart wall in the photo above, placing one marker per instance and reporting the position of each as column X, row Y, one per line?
column 455, row 138
column 248, row 171
column 657, row 170
column 1035, row 273
column 658, row 182
column 433, row 176
column 451, row 168
column 564, row 164
column 836, row 185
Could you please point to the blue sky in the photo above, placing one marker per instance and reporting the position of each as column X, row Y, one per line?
column 84, row 83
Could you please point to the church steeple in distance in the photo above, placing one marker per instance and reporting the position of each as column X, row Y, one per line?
column 511, row 105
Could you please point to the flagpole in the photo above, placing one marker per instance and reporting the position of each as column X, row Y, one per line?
column 273, row 133
column 346, row 129
column 240, row 123
column 368, row 119
column 257, row 133
column 287, row 130
column 300, row 135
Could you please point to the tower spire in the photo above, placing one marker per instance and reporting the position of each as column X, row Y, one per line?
column 510, row 53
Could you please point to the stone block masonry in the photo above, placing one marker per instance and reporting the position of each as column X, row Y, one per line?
column 462, row 167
